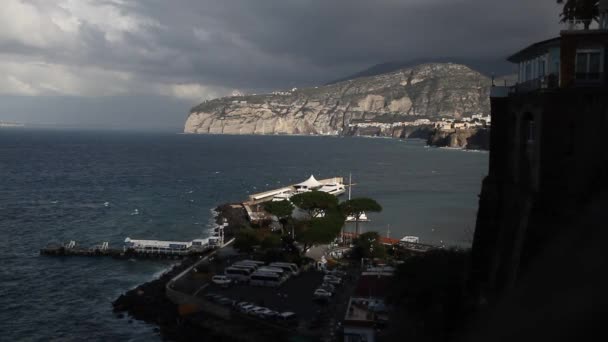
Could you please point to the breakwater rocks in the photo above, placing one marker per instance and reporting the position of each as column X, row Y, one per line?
column 148, row 302
column 466, row 138
column 236, row 217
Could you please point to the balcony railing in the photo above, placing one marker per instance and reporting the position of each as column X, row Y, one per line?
column 590, row 78
column 546, row 82
column 579, row 24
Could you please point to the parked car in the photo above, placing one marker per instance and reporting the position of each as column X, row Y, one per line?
column 287, row 317
column 221, row 280
column 238, row 305
column 252, row 310
column 322, row 293
column 226, row 301
column 263, row 313
column 336, row 273
column 245, row 308
column 270, row 314
column 332, row 280
column 328, row 287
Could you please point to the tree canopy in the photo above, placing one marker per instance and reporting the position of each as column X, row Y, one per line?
column 583, row 10
column 280, row 209
column 358, row 206
column 315, row 202
column 271, row 241
column 319, row 230
column 245, row 240
column 368, row 245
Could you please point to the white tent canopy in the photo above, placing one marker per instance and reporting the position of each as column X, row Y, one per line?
column 310, row 183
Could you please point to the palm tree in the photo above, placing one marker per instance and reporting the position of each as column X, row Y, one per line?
column 584, row 10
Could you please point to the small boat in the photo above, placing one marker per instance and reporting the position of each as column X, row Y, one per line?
column 282, row 197
column 335, row 189
column 410, row 239
column 350, row 218
column 362, row 218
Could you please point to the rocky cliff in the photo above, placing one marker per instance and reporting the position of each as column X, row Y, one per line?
column 425, row 91
column 468, row 138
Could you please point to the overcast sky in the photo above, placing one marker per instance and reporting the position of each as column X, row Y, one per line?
column 105, row 56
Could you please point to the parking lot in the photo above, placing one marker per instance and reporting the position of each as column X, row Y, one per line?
column 295, row 295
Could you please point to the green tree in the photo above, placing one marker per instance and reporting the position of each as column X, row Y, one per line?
column 315, row 203
column 281, row 209
column 319, row 230
column 245, row 240
column 584, row 10
column 271, row 241
column 356, row 207
column 368, row 245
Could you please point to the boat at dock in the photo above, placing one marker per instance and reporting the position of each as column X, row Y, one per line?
column 255, row 212
column 334, row 185
column 335, row 188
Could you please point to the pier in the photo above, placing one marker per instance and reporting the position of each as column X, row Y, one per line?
column 145, row 249
column 253, row 205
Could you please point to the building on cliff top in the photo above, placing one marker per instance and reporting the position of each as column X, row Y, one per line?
column 548, row 154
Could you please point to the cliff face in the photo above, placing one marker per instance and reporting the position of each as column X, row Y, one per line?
column 469, row 138
column 429, row 91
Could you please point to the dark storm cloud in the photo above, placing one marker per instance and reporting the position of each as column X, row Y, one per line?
column 265, row 44
column 270, row 43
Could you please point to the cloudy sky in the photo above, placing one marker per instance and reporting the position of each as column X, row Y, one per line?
column 143, row 63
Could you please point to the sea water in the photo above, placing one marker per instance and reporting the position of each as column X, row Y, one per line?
column 57, row 186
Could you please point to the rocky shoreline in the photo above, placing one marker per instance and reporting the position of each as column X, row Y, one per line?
column 464, row 138
column 149, row 303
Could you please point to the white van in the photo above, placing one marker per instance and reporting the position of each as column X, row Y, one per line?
column 292, row 268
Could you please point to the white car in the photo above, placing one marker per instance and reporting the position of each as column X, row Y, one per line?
column 221, row 280
column 264, row 312
column 254, row 309
column 322, row 293
column 332, row 280
column 246, row 308
column 328, row 287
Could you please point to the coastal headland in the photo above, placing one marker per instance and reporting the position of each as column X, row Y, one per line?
column 423, row 101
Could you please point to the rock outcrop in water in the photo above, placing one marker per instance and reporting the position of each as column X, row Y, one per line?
column 469, row 138
column 425, row 91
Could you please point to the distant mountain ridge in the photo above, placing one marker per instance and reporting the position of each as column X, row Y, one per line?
column 488, row 67
column 432, row 90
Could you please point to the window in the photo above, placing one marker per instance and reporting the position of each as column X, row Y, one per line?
column 531, row 132
column 541, row 68
column 588, row 65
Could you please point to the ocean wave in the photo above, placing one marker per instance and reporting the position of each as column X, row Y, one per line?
column 212, row 223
